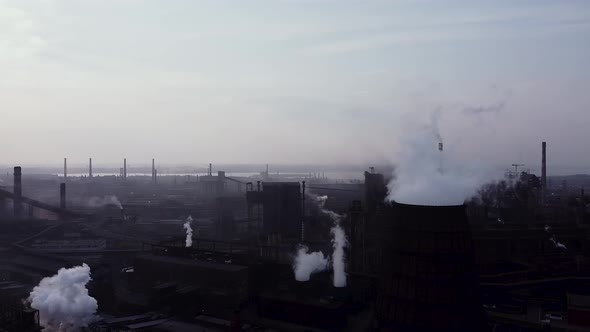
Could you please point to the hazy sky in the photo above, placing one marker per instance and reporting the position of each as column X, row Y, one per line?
column 293, row 81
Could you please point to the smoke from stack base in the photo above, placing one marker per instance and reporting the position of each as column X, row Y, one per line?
column 63, row 301
column 339, row 242
column 553, row 240
column 305, row 264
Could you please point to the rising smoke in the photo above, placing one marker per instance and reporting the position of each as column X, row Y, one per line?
column 305, row 264
column 63, row 301
column 338, row 262
column 97, row 202
column 553, row 239
column 189, row 232
column 427, row 175
column 338, row 241
column 320, row 200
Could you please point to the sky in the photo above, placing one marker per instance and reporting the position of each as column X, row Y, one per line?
column 293, row 81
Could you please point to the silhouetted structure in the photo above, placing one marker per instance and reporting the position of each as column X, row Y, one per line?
column 544, row 165
column 14, row 318
column 281, row 208
column 428, row 279
column 375, row 191
column 18, row 192
column 62, row 196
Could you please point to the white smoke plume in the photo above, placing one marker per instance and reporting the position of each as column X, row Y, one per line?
column 321, row 200
column 557, row 244
column 96, row 202
column 426, row 175
column 63, row 301
column 553, row 240
column 189, row 232
column 338, row 263
column 339, row 241
column 305, row 264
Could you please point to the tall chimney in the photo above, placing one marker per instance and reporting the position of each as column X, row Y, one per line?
column 90, row 167
column 544, row 166
column 124, row 168
column 302, row 239
column 210, row 169
column 18, row 192
column 153, row 170
column 62, row 196
column 65, row 169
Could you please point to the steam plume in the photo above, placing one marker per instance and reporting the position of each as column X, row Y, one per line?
column 426, row 175
column 189, row 232
column 321, row 200
column 63, row 301
column 338, row 242
column 96, row 202
column 553, row 240
column 307, row 263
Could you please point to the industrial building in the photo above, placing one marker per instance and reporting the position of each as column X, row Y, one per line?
column 493, row 263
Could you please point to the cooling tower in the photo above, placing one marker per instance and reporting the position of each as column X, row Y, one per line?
column 428, row 274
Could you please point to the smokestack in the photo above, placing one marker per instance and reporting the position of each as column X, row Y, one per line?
column 155, row 176
column 303, row 211
column 65, row 169
column 18, row 192
column 544, row 166
column 124, row 168
column 153, row 170
column 62, row 196
column 210, row 169
column 90, row 167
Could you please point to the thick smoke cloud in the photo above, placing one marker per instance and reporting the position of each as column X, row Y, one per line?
column 96, row 202
column 63, row 301
column 305, row 264
column 189, row 232
column 426, row 175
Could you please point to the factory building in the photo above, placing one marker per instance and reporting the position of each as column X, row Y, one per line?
column 282, row 213
column 221, row 287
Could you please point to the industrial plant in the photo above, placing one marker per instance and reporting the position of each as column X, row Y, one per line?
column 291, row 252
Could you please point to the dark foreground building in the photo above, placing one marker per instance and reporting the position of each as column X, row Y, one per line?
column 428, row 279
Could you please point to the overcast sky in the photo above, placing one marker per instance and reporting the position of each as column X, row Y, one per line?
column 320, row 81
